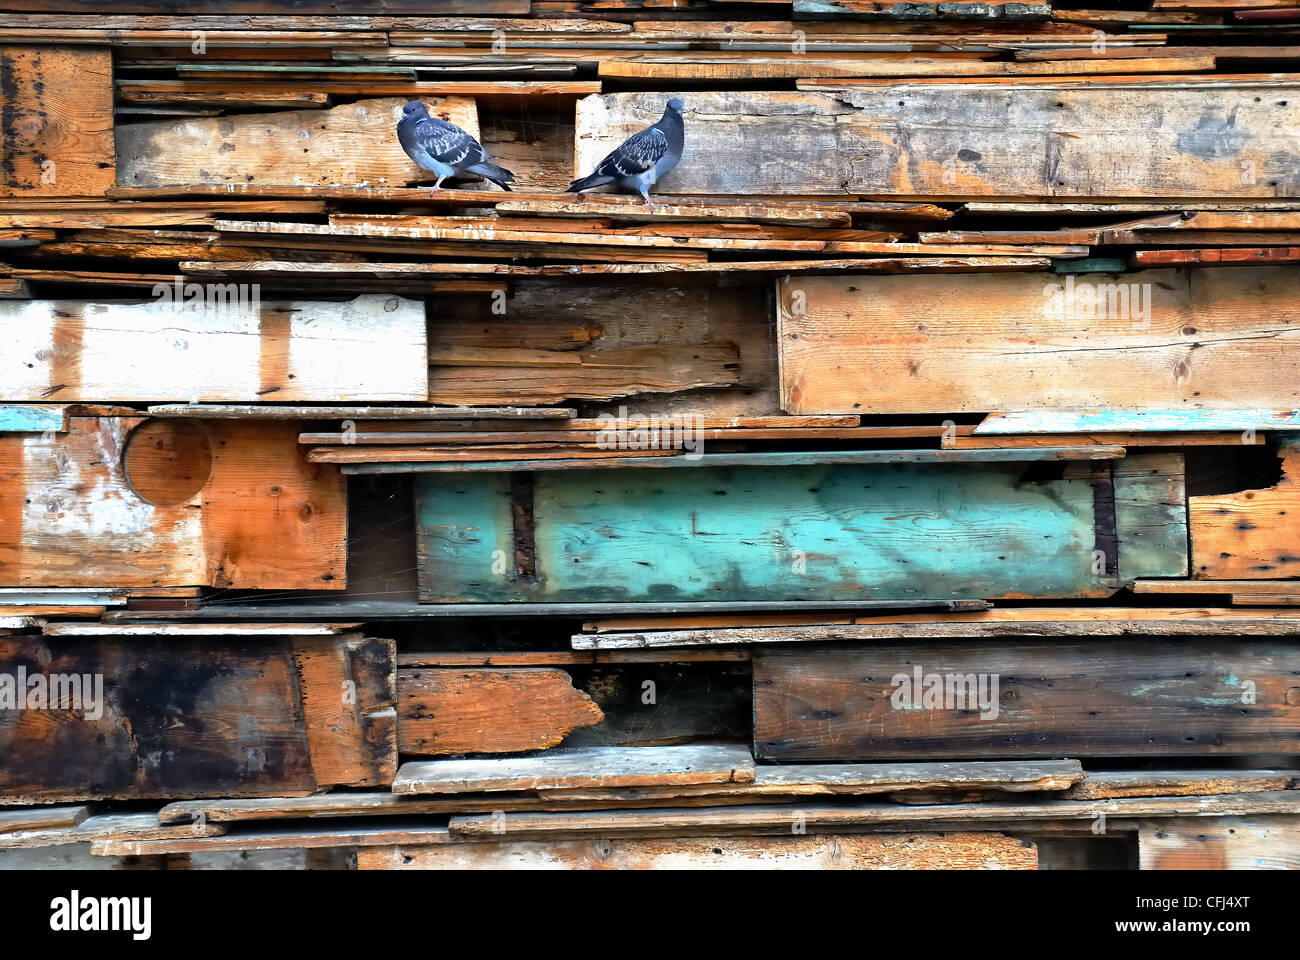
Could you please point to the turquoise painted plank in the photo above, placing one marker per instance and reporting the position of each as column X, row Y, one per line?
column 1149, row 421
column 1091, row 265
column 19, row 419
column 793, row 458
column 834, row 532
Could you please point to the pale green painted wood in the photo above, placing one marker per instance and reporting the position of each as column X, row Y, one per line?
column 840, row 533
column 1151, row 516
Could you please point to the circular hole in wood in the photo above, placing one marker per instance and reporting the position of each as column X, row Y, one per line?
column 167, row 462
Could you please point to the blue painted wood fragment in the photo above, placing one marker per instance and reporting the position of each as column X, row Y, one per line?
column 1148, row 421
column 826, row 532
column 24, row 419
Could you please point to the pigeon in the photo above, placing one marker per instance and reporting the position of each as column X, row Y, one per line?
column 444, row 148
column 642, row 158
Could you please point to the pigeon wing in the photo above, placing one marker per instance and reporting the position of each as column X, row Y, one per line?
column 637, row 154
column 448, row 143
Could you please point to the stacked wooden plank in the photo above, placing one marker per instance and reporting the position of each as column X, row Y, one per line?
column 349, row 522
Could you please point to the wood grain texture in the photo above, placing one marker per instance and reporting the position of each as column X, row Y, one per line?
column 489, row 711
column 1151, row 515
column 1252, row 534
column 1098, row 698
column 58, row 121
column 580, row 767
column 820, row 818
column 226, row 345
column 1059, row 139
column 963, row 851
column 183, row 718
column 1180, row 783
column 549, row 341
column 352, row 144
column 1215, row 339
column 1222, row 843
column 262, row 518
column 998, row 622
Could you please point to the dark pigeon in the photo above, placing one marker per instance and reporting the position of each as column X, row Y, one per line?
column 642, row 158
column 444, row 148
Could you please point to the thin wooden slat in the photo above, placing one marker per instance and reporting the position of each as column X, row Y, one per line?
column 1024, row 699
column 999, row 622
column 373, row 271
column 1171, row 421
column 580, row 767
column 657, row 460
column 197, row 629
column 1239, row 587
column 106, row 827
column 1180, row 783
column 964, row 851
column 217, row 411
column 41, row 818
column 820, row 819
column 562, row 658
column 1229, row 257
column 1119, row 346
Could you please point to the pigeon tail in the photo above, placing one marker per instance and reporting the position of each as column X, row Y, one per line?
column 586, row 183
column 490, row 171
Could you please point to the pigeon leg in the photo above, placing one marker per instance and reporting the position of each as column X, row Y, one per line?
column 438, row 185
column 645, row 194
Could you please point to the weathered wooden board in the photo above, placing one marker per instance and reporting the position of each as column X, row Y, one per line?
column 1164, row 339
column 998, row 622
column 580, row 767
column 547, row 341
column 1252, row 534
column 104, row 828
column 773, row 784
column 961, row 851
column 488, row 711
column 57, row 137
column 1058, row 139
column 1180, row 783
column 215, row 342
column 352, row 144
column 888, row 531
column 1151, row 515
column 174, row 717
column 131, row 502
column 1221, row 843
column 821, row 818
column 1177, row 425
column 41, row 818
column 1025, row 699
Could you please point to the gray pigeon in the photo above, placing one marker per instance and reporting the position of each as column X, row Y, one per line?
column 642, row 158
column 444, row 148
